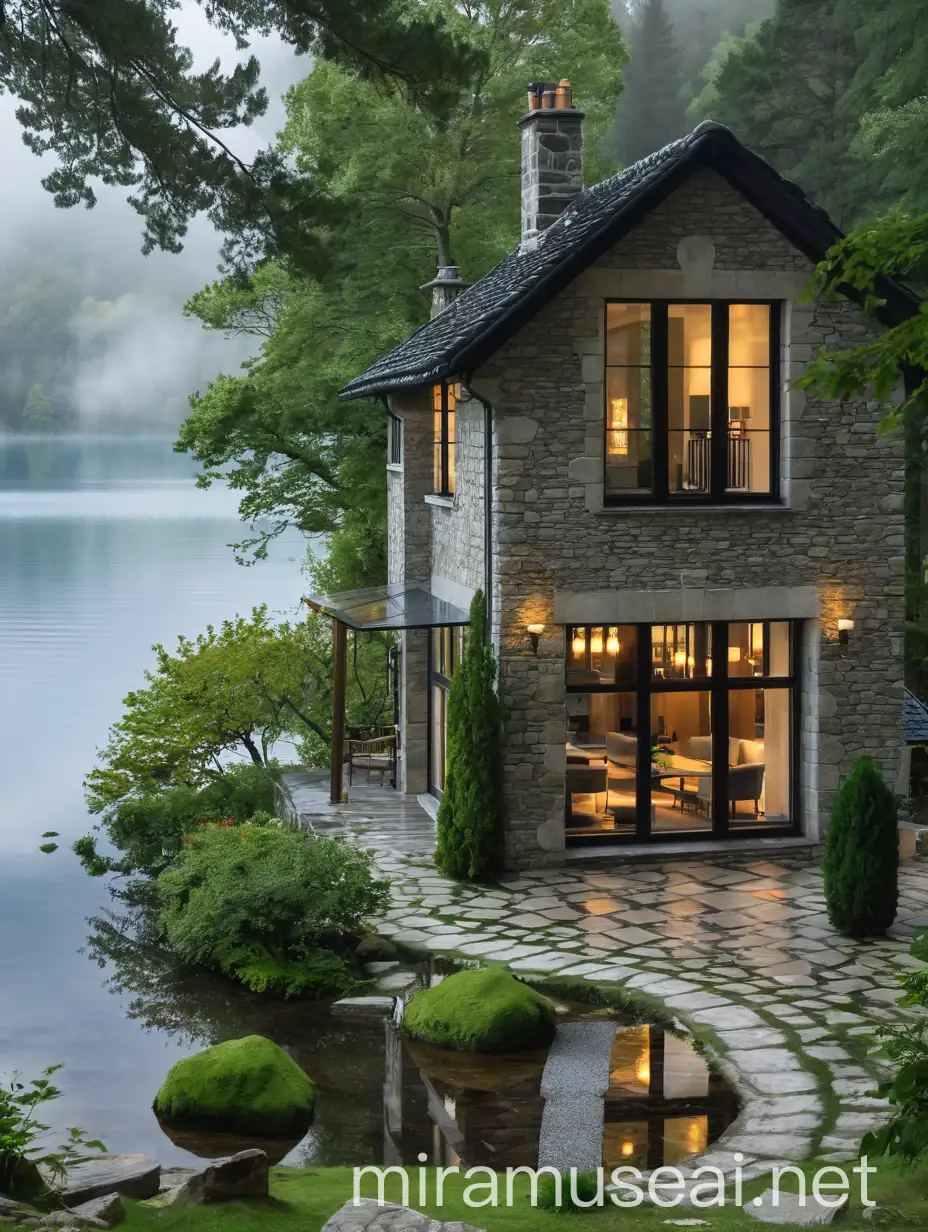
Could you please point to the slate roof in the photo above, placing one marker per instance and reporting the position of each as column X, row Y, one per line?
column 914, row 719
column 476, row 324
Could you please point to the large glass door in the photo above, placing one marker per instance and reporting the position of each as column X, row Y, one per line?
column 681, row 731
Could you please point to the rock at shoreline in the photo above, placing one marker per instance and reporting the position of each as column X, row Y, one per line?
column 244, row 1175
column 108, row 1208
column 133, row 1176
column 250, row 1086
column 786, row 1208
column 377, row 949
column 363, row 1007
column 370, row 1216
column 481, row 1011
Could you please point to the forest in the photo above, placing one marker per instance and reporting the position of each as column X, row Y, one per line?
column 833, row 93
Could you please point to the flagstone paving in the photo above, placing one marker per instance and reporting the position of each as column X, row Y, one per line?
column 738, row 950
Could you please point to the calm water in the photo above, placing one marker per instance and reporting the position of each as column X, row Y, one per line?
column 106, row 546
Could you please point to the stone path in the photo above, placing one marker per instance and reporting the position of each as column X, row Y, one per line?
column 739, row 950
column 573, row 1086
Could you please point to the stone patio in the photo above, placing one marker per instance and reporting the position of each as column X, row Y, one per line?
column 739, row 950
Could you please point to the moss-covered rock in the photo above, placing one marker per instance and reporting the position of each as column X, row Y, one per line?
column 246, row 1085
column 481, row 1011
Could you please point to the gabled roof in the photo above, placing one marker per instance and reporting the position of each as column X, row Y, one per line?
column 484, row 316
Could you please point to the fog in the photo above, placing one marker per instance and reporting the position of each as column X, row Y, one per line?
column 136, row 358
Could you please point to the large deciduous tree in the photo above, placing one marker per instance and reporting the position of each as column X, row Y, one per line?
column 408, row 190
column 107, row 88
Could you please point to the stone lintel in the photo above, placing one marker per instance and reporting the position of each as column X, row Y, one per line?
column 671, row 606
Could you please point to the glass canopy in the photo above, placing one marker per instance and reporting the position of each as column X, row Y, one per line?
column 398, row 605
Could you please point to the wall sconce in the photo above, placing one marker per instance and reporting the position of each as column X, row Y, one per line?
column 535, row 632
column 844, row 629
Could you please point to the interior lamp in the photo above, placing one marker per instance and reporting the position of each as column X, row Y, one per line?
column 734, row 654
column 535, row 632
column 679, row 658
column 596, row 642
column 618, row 425
column 578, row 645
column 612, row 643
column 845, row 627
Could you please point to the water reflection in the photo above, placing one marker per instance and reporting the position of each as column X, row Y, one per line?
column 384, row 1098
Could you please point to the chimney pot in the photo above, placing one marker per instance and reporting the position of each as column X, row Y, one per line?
column 552, row 157
column 445, row 287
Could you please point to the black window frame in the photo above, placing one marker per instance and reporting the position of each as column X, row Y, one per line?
column 446, row 485
column 394, row 440
column 660, row 493
column 719, row 685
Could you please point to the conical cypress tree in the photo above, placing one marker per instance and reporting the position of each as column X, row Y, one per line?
column 862, row 854
column 470, row 814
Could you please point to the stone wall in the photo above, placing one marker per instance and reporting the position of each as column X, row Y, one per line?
column 841, row 529
column 457, row 553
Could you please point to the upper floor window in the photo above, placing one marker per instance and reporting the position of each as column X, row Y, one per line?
column 691, row 412
column 444, row 401
column 394, row 441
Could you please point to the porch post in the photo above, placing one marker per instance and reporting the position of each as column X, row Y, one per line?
column 339, row 672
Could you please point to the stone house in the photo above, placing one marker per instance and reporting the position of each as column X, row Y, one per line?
column 694, row 572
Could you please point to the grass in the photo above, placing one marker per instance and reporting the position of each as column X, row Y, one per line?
column 302, row 1199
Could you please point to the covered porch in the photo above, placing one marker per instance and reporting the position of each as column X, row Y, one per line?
column 400, row 608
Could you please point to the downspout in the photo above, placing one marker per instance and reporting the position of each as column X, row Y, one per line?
column 487, row 505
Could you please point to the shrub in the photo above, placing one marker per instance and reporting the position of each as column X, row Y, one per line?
column 249, row 1086
column 149, row 829
column 258, row 902
column 470, row 813
column 20, row 1131
column 862, row 854
column 584, row 1186
column 906, row 1135
column 481, row 1011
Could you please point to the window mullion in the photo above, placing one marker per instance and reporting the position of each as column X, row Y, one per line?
column 719, row 451
column 659, row 394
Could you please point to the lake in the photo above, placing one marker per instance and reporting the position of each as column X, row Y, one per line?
column 106, row 547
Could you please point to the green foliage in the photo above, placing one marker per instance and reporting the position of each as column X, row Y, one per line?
column 107, row 89
column 861, row 860
column 148, row 830
column 20, row 1133
column 230, row 691
column 651, row 112
column 249, row 1086
column 905, row 1136
column 481, row 1011
column 562, row 1197
column 48, row 848
column 470, row 813
column 409, row 188
column 257, row 901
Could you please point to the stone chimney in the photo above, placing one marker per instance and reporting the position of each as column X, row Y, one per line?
column 552, row 157
column 446, row 287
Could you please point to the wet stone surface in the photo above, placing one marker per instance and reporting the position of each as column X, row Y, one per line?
column 739, row 949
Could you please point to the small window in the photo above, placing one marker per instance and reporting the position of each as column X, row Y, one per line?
column 394, row 441
column 444, row 402
column 690, row 410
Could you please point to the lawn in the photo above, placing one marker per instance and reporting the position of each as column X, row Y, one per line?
column 302, row 1199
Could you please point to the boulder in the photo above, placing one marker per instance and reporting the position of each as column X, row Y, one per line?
column 370, row 1216
column 373, row 948
column 108, row 1209
column 243, row 1175
column 788, row 1210
column 250, row 1086
column 481, row 1011
column 133, row 1176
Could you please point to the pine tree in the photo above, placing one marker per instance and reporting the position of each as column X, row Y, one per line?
column 861, row 861
column 470, row 814
column 652, row 109
column 38, row 415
